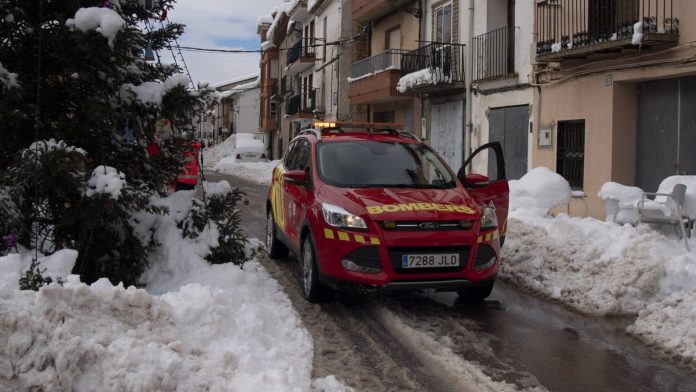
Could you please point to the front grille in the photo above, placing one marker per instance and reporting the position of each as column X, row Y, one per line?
column 427, row 225
column 395, row 255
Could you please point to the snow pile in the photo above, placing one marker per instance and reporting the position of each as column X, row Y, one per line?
column 669, row 326
column 555, row 48
column 690, row 201
column 57, row 266
column 539, row 190
column 594, row 267
column 7, row 78
column 258, row 172
column 422, row 77
column 102, row 20
column 601, row 268
column 106, row 180
column 637, row 38
column 213, row 327
column 151, row 93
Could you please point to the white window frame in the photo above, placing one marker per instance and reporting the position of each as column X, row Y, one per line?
column 435, row 25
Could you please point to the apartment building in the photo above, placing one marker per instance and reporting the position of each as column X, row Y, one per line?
column 268, row 83
column 388, row 31
column 615, row 103
column 239, row 105
column 502, row 95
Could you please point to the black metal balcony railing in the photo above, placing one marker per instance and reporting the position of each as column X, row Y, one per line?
column 389, row 59
column 494, row 54
column 308, row 47
column 444, row 60
column 571, row 24
column 294, row 52
column 303, row 47
column 301, row 103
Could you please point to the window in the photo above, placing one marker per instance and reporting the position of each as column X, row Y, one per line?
column 384, row 117
column 443, row 23
column 393, row 39
column 274, row 108
column 274, row 69
column 570, row 154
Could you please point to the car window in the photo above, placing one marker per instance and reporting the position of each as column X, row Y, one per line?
column 369, row 163
column 291, row 156
column 304, row 155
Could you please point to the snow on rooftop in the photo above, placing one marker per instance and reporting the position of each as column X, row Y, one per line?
column 264, row 20
column 102, row 20
column 236, row 79
column 239, row 89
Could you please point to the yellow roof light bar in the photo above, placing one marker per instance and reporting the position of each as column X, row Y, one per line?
column 324, row 124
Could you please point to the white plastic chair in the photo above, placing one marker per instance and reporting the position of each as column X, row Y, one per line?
column 666, row 211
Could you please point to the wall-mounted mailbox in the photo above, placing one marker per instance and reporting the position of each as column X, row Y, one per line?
column 545, row 137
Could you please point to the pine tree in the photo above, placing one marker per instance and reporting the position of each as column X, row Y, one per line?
column 72, row 76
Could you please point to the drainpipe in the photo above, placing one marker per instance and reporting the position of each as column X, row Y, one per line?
column 468, row 126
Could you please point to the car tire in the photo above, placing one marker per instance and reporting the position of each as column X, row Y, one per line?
column 314, row 291
column 276, row 249
column 477, row 293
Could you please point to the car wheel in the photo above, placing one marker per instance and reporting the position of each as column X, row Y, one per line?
column 477, row 293
column 276, row 249
column 314, row 291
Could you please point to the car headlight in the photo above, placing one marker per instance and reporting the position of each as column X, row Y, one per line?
column 338, row 217
column 489, row 219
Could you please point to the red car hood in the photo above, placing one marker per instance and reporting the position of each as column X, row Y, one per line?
column 405, row 204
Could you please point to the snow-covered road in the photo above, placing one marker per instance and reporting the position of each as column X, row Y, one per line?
column 514, row 341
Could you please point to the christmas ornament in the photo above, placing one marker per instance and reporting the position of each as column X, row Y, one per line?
column 149, row 53
column 128, row 134
column 163, row 17
column 10, row 243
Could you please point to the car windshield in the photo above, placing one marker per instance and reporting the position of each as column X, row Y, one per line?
column 370, row 164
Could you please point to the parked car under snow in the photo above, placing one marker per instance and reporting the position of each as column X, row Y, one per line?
column 248, row 148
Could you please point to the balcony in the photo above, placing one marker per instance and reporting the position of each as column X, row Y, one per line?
column 368, row 10
column 374, row 79
column 301, row 56
column 494, row 55
column 435, row 67
column 577, row 29
column 301, row 106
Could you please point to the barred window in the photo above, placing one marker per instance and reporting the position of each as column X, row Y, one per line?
column 570, row 152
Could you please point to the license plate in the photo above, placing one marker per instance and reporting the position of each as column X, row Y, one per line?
column 430, row 260
column 248, row 155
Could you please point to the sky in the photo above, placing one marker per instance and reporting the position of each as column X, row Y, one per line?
column 220, row 24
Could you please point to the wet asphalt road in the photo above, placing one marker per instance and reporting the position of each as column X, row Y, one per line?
column 513, row 336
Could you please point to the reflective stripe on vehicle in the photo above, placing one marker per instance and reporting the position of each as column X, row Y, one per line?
column 330, row 234
column 493, row 235
column 185, row 176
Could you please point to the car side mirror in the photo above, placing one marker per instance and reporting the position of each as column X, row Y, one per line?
column 295, row 177
column 472, row 180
